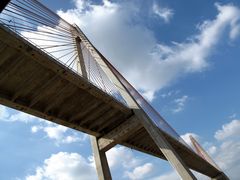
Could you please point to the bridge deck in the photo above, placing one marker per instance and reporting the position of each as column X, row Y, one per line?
column 33, row 82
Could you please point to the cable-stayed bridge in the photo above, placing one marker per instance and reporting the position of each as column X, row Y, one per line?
column 49, row 68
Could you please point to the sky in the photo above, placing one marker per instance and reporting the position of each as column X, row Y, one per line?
column 183, row 57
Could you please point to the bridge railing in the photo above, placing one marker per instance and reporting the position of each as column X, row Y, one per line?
column 56, row 37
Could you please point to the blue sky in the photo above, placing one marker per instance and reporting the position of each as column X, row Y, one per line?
column 184, row 57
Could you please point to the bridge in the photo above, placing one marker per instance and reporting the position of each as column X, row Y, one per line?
column 50, row 69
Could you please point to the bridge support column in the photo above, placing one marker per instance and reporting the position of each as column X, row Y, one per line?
column 165, row 147
column 201, row 152
column 80, row 64
column 101, row 163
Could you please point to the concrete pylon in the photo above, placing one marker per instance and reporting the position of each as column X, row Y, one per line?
column 201, row 152
column 80, row 63
column 101, row 163
column 165, row 147
column 100, row 158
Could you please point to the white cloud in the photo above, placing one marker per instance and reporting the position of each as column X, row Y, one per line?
column 35, row 129
column 131, row 166
column 64, row 166
column 3, row 113
column 149, row 95
column 170, row 93
column 186, row 138
column 233, row 116
column 134, row 50
column 170, row 175
column 140, row 172
column 212, row 150
column 71, row 166
column 231, row 129
column 22, row 117
column 60, row 134
column 17, row 116
column 164, row 13
column 55, row 132
column 180, row 103
column 235, row 26
column 122, row 156
column 227, row 157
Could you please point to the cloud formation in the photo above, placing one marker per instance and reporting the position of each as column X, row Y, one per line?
column 227, row 153
column 130, row 166
column 60, row 134
column 231, row 129
column 64, row 166
column 134, row 50
column 162, row 12
column 3, row 113
column 186, row 138
column 140, row 172
column 170, row 175
column 180, row 103
column 121, row 156
column 73, row 165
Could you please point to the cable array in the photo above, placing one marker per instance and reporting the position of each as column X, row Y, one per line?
column 56, row 37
